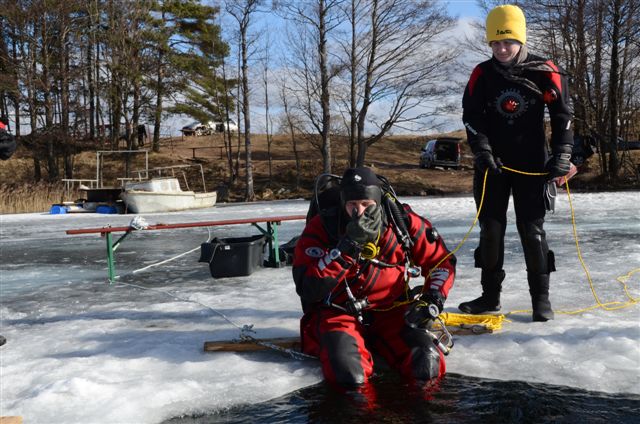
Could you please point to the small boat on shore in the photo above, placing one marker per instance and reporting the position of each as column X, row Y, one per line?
column 147, row 190
column 163, row 194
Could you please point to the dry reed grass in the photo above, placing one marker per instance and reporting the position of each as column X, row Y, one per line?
column 396, row 157
column 33, row 197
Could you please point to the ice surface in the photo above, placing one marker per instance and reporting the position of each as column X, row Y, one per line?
column 80, row 350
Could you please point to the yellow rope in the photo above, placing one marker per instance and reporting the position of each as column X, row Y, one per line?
column 621, row 279
column 515, row 171
column 489, row 321
column 466, row 236
column 464, row 239
column 479, row 319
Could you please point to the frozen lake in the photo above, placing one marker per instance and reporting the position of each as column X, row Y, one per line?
column 80, row 350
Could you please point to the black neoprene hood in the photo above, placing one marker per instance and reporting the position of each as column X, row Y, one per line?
column 360, row 183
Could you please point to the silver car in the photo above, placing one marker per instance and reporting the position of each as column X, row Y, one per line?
column 196, row 128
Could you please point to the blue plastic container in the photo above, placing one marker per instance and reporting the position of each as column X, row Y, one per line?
column 107, row 209
column 58, row 210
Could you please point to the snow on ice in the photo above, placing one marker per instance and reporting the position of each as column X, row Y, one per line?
column 81, row 350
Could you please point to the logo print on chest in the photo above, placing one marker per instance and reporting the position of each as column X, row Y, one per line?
column 511, row 104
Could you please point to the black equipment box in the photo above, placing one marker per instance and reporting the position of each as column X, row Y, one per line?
column 233, row 257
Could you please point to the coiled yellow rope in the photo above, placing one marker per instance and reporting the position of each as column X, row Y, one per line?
column 489, row 321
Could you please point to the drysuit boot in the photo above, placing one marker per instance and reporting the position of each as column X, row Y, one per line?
column 490, row 300
column 539, row 289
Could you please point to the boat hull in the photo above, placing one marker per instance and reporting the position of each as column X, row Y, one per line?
column 149, row 202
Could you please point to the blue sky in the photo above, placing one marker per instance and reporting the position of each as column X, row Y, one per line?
column 464, row 8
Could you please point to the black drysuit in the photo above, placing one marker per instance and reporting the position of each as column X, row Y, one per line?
column 504, row 113
column 7, row 143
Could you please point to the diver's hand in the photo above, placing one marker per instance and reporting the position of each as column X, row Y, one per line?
column 558, row 166
column 424, row 310
column 366, row 227
column 484, row 160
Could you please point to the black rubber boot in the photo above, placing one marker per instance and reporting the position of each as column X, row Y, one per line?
column 490, row 299
column 539, row 289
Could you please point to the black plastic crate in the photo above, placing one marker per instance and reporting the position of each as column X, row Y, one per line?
column 233, row 257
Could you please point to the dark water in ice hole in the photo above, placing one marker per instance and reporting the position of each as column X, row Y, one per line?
column 459, row 399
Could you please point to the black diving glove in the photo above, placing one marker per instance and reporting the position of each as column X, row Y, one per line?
column 559, row 165
column 361, row 230
column 484, row 160
column 366, row 227
column 348, row 247
column 424, row 310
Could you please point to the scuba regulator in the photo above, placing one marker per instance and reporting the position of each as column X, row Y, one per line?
column 370, row 250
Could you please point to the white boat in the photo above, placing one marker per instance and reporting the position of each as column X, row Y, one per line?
column 163, row 194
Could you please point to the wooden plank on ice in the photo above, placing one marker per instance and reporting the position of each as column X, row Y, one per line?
column 11, row 420
column 294, row 342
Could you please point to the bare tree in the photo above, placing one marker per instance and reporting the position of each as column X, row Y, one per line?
column 265, row 74
column 615, row 82
column 9, row 66
column 242, row 11
column 312, row 69
column 21, row 26
column 289, row 124
column 596, row 43
column 163, row 46
column 227, row 98
column 354, row 11
column 389, row 46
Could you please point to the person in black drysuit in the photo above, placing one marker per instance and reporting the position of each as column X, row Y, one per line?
column 142, row 134
column 503, row 113
column 7, row 147
column 7, row 141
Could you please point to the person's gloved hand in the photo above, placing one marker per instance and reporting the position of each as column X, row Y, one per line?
column 484, row 160
column 348, row 246
column 361, row 230
column 366, row 227
column 558, row 166
column 424, row 310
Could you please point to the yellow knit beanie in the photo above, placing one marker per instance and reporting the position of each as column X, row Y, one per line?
column 506, row 22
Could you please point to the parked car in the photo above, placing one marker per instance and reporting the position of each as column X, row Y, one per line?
column 583, row 149
column 232, row 125
column 196, row 128
column 628, row 144
column 444, row 152
column 219, row 126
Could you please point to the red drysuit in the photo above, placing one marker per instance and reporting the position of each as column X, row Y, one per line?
column 340, row 339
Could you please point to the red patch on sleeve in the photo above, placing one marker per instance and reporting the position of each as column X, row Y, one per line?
column 554, row 76
column 2, row 126
column 477, row 71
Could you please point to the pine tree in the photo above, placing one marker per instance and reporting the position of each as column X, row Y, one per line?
column 197, row 51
